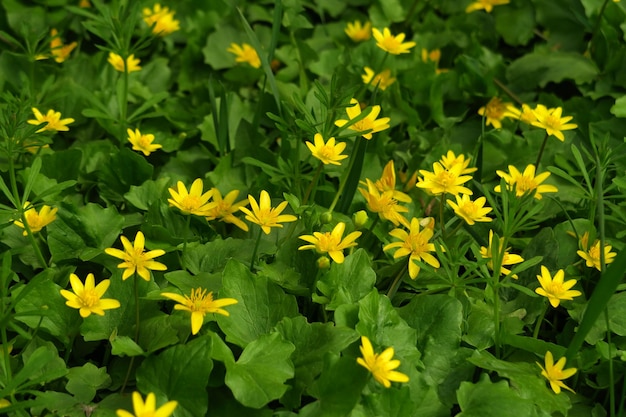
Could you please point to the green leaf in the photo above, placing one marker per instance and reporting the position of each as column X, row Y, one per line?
column 259, row 374
column 144, row 195
column 214, row 256
column 619, row 108
column 32, row 176
column 516, row 24
column 156, row 333
column 488, row 399
column 84, row 381
column 125, row 346
column 62, row 165
column 124, row 169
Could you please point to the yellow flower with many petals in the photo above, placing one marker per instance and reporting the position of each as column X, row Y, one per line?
column 59, row 51
column 486, row 5
column 136, row 259
column 162, row 19
column 556, row 289
column 141, row 142
column 53, row 118
column 224, row 208
column 470, row 211
column 148, row 409
column 592, row 256
column 199, row 303
column 192, row 201
column 385, row 204
column 37, row 220
column 265, row 215
column 392, row 44
column 415, row 243
column 525, row 115
column 88, row 298
column 494, row 111
column 368, row 123
column 381, row 80
column 329, row 152
column 332, row 243
column 442, row 181
column 118, row 63
column 552, row 122
column 526, row 182
column 450, row 160
column 387, row 182
column 380, row 365
column 555, row 374
column 245, row 53
column 507, row 258
column 358, row 32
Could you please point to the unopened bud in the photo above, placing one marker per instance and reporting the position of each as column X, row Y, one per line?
column 323, row 262
column 360, row 218
column 327, row 217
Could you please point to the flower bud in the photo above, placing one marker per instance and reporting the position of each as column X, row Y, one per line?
column 327, row 217
column 360, row 218
column 323, row 262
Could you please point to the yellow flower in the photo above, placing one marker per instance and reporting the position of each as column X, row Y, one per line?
column 358, row 32
column 382, row 80
column 88, row 298
column 470, row 211
column 59, row 51
column 450, row 160
column 192, row 202
column 486, row 5
column 118, row 62
column 135, row 259
column 162, row 19
column 265, row 215
column 148, row 409
column 494, row 111
column 329, row 152
column 433, row 56
column 53, row 118
column 442, row 180
column 416, row 244
column 4, row 403
column 367, row 124
column 552, row 122
column 387, row 182
column 332, row 243
column 199, row 303
column 592, row 256
column 245, row 53
column 141, row 142
column 224, row 208
column 526, row 181
column 507, row 258
column 380, row 365
column 384, row 204
column 37, row 220
column 390, row 43
column 555, row 373
column 555, row 289
column 525, row 115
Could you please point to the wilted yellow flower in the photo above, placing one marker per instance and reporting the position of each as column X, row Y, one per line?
column 381, row 80
column 415, row 243
column 552, row 122
column 88, row 298
column 450, row 160
column 556, row 289
column 245, row 53
column 368, row 124
column 118, row 63
column 526, row 181
column 37, row 220
column 470, row 211
column 329, row 152
column 507, row 258
column 148, row 409
column 555, row 374
column 332, row 243
column 199, row 303
column 162, row 19
column 442, row 181
column 390, row 43
column 494, row 111
column 384, row 204
column 135, row 259
column 59, row 51
column 380, row 365
column 224, row 208
column 358, row 32
column 486, row 5
column 592, row 256
column 141, row 142
column 525, row 115
column 265, row 215
column 53, row 118
column 192, row 201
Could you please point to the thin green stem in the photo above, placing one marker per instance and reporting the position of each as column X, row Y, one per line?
column 313, row 183
column 539, row 322
column 344, row 180
column 136, row 336
column 393, row 288
column 5, row 353
column 124, row 102
column 256, row 248
column 543, row 146
column 596, row 26
column 187, row 232
column 441, row 222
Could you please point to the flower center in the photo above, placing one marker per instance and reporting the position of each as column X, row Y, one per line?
column 594, row 252
column 190, row 203
column 524, row 184
column 495, row 109
column 555, row 288
column 328, row 242
column 446, row 179
column 469, row 209
column 90, row 298
column 327, row 151
column 417, row 243
column 143, row 141
column 363, row 125
column 552, row 122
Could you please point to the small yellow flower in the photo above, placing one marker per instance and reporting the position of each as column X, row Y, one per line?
column 507, row 258
column 59, row 51
column 245, row 53
column 135, row 259
column 592, row 256
column 265, row 215
column 381, row 80
column 162, row 19
column 53, row 118
column 37, row 220
column 556, row 289
column 141, row 142
column 329, row 152
column 433, row 56
column 88, row 298
column 332, row 243
column 84, row 4
column 486, row 5
column 368, row 124
column 387, row 182
column 552, row 122
column 415, row 243
column 442, row 181
column 384, row 204
column 555, row 374
column 450, row 160
column 526, row 181
column 470, row 211
column 192, row 201
column 4, row 403
column 148, row 409
column 380, row 365
column 118, row 63
column 390, row 43
column 199, row 303
column 224, row 208
column 358, row 32
column 525, row 115
column 494, row 111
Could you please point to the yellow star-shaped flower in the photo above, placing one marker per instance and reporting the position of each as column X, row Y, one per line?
column 380, row 365
column 369, row 124
column 392, row 44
